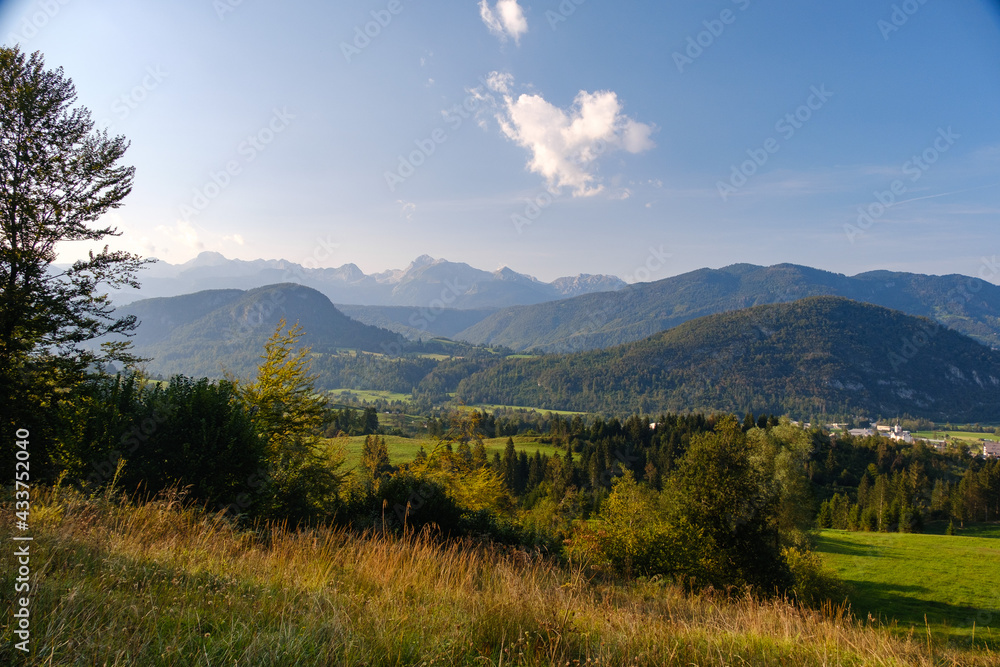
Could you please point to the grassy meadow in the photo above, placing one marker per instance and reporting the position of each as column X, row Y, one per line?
column 951, row 581
column 402, row 450
column 162, row 584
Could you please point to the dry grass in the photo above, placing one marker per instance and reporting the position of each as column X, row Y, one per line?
column 156, row 583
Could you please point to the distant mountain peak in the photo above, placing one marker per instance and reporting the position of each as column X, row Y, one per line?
column 423, row 260
column 207, row 258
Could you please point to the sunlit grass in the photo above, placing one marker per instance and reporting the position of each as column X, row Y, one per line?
column 951, row 581
column 403, row 450
column 161, row 584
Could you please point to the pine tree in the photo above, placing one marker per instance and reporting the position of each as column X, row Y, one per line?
column 509, row 466
column 375, row 460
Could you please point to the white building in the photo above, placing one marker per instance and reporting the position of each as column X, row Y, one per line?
column 991, row 449
column 897, row 433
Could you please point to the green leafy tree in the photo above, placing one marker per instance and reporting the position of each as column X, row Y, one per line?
column 637, row 536
column 303, row 478
column 57, row 177
column 718, row 489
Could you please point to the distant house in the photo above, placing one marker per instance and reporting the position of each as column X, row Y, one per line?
column 939, row 445
column 861, row 432
column 991, row 449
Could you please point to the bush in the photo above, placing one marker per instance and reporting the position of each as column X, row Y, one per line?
column 191, row 433
column 812, row 583
column 410, row 502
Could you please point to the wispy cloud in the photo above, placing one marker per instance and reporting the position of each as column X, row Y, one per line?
column 505, row 19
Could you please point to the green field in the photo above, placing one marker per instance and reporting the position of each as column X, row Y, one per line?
column 959, row 435
column 952, row 581
column 367, row 395
column 486, row 406
column 402, row 450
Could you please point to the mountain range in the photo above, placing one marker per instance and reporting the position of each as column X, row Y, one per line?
column 819, row 355
column 425, row 283
column 599, row 320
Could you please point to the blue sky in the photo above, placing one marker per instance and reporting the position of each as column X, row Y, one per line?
column 557, row 138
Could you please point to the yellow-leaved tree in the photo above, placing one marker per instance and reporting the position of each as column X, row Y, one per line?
column 303, row 477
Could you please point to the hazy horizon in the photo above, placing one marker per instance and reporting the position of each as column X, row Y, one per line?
column 555, row 138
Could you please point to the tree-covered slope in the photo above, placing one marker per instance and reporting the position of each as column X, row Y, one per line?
column 187, row 335
column 816, row 355
column 599, row 320
column 418, row 322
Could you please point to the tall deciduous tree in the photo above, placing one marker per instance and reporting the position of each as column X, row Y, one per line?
column 58, row 176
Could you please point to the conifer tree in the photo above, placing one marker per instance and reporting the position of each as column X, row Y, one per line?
column 303, row 477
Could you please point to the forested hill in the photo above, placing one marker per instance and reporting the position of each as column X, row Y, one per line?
column 822, row 355
column 595, row 321
column 202, row 333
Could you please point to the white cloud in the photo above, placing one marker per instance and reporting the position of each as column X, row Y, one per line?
column 408, row 209
column 564, row 144
column 184, row 233
column 505, row 19
column 500, row 82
